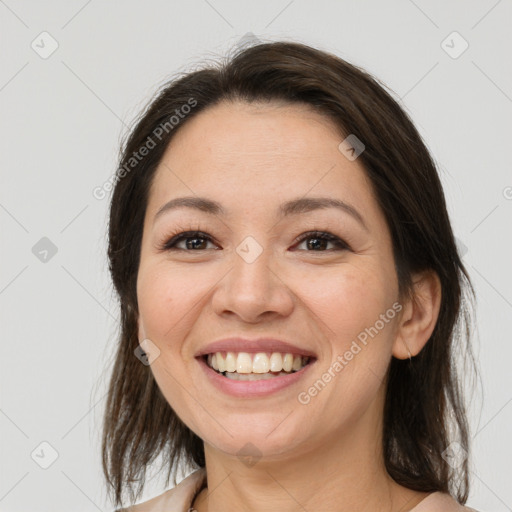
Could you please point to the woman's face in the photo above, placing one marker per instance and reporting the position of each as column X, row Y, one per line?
column 248, row 275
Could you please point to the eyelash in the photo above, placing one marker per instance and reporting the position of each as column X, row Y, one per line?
column 177, row 237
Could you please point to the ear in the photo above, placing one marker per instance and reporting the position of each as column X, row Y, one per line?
column 419, row 316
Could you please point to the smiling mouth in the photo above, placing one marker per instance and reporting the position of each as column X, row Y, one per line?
column 255, row 366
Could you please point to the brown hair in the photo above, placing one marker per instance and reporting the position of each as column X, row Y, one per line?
column 424, row 406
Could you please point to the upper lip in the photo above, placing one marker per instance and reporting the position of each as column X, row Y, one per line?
column 239, row 344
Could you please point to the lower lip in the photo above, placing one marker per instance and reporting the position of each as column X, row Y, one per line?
column 252, row 388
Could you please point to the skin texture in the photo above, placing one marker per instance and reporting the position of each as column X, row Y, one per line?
column 325, row 455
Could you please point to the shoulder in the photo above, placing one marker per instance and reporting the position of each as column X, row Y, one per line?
column 441, row 502
column 176, row 499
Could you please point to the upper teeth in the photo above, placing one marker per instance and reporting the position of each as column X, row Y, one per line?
column 261, row 362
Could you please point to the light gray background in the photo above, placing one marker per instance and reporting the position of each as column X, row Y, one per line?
column 61, row 121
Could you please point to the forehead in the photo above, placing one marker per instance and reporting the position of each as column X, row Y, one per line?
column 262, row 131
column 250, row 156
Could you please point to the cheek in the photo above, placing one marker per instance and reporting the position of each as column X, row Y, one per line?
column 347, row 308
column 164, row 299
column 347, row 301
column 356, row 315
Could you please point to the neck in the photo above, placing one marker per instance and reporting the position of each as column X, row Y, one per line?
column 344, row 473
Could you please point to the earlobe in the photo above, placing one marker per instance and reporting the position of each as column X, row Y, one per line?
column 419, row 316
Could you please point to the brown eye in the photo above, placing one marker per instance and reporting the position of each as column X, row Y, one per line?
column 194, row 240
column 318, row 240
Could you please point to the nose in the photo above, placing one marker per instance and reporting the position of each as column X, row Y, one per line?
column 254, row 288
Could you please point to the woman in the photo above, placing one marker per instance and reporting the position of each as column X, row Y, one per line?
column 291, row 297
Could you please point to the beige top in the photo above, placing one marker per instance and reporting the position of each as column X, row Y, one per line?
column 181, row 497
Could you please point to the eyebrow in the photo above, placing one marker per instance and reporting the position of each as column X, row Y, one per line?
column 292, row 207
